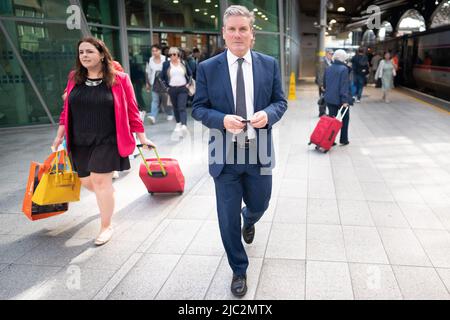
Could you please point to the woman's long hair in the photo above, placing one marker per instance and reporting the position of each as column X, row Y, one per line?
column 109, row 72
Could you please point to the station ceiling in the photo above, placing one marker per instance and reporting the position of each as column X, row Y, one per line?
column 355, row 15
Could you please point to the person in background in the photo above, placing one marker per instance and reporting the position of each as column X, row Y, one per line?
column 386, row 72
column 159, row 97
column 324, row 63
column 176, row 74
column 360, row 66
column 374, row 66
column 99, row 118
column 337, row 84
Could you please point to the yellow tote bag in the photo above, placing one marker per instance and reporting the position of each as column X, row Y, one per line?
column 58, row 185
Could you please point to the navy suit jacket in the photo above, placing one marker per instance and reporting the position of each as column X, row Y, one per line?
column 213, row 100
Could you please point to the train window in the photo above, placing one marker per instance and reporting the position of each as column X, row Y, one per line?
column 433, row 52
column 441, row 15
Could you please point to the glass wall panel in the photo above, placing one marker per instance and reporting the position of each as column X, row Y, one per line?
column 268, row 44
column 111, row 38
column 186, row 14
column 48, row 51
column 101, row 11
column 266, row 13
column 207, row 44
column 139, row 48
column 48, row 9
column 137, row 13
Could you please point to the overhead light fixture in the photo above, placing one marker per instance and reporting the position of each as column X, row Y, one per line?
column 197, row 10
column 259, row 12
column 256, row 10
column 266, row 18
column 341, row 9
column 208, row 1
column 205, row 13
column 216, row 6
column 175, row 1
column 332, row 21
column 213, row 17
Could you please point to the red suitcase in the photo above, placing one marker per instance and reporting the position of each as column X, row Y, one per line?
column 326, row 130
column 161, row 175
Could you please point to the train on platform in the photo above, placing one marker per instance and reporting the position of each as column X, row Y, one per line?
column 424, row 60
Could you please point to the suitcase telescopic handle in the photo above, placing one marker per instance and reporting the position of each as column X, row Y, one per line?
column 341, row 113
column 140, row 146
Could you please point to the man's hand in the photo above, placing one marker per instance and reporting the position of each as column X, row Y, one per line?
column 233, row 123
column 259, row 120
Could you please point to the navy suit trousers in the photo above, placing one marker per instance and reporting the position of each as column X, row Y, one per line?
column 239, row 182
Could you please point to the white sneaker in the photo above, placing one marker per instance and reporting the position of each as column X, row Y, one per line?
column 169, row 118
column 104, row 237
column 358, row 101
column 115, row 174
column 184, row 129
column 177, row 127
column 151, row 119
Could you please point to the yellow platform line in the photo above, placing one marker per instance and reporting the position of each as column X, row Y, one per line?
column 425, row 102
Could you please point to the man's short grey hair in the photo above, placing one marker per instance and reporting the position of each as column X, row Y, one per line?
column 340, row 55
column 329, row 51
column 240, row 11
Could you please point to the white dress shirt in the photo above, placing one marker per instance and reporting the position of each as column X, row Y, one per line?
column 248, row 81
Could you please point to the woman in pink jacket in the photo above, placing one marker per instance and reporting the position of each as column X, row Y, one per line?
column 99, row 118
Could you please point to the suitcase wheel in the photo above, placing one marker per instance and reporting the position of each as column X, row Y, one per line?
column 152, row 193
column 325, row 151
column 309, row 143
column 180, row 193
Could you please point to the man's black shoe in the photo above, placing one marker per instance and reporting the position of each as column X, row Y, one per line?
column 248, row 234
column 345, row 143
column 239, row 285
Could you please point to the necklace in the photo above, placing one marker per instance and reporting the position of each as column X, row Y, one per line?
column 93, row 83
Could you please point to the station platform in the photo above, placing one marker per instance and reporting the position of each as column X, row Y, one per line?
column 369, row 220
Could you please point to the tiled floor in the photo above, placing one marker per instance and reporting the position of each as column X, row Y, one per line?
column 370, row 220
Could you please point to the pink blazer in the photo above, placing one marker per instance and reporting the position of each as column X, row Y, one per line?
column 125, row 109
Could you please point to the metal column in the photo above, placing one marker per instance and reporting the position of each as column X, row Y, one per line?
column 323, row 27
column 85, row 31
column 282, row 42
column 123, row 36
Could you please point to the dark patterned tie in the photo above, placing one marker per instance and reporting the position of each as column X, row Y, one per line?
column 241, row 109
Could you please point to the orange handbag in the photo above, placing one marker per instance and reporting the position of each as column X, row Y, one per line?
column 31, row 210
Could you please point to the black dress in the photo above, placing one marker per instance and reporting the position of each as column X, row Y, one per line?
column 92, row 130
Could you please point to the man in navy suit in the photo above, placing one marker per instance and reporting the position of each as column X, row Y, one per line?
column 239, row 98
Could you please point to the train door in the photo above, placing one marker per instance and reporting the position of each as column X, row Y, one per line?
column 409, row 58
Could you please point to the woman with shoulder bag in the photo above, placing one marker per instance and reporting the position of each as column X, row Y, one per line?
column 99, row 118
column 177, row 75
